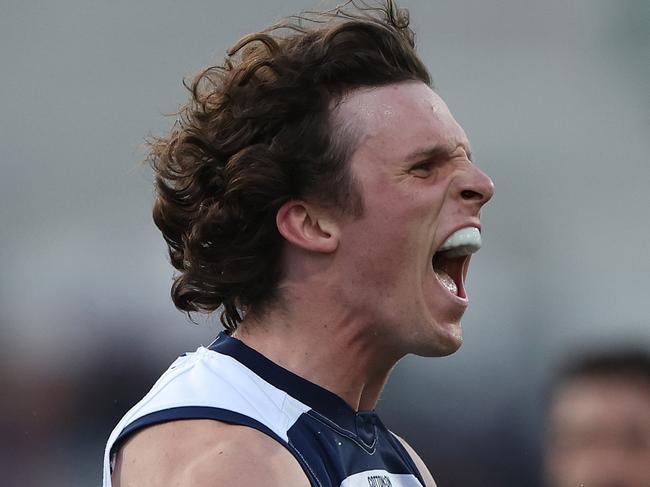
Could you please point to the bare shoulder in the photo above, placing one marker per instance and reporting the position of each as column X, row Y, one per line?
column 424, row 471
column 205, row 452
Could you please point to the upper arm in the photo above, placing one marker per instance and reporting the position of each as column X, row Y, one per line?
column 424, row 471
column 202, row 453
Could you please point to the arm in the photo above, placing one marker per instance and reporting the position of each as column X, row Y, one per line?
column 424, row 471
column 205, row 453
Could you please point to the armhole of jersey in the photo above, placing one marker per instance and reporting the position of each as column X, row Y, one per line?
column 406, row 457
column 206, row 412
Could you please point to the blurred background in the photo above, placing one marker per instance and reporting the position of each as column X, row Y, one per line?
column 555, row 97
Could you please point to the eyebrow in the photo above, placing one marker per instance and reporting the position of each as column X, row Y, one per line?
column 438, row 151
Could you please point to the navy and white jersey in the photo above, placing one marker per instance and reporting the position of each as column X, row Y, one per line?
column 335, row 445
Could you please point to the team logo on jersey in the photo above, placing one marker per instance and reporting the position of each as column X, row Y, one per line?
column 379, row 481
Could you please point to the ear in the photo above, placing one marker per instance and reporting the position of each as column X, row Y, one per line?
column 307, row 227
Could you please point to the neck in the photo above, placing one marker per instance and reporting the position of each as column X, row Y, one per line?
column 340, row 352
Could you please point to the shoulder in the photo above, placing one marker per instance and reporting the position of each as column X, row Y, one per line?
column 424, row 471
column 205, row 452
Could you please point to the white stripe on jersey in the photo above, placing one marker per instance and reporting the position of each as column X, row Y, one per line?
column 380, row 478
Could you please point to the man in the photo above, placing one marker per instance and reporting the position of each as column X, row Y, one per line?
column 599, row 423
column 320, row 194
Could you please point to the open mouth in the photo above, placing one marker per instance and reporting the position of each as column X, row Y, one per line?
column 452, row 258
column 449, row 272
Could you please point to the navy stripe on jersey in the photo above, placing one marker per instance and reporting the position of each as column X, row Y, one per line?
column 192, row 412
column 335, row 456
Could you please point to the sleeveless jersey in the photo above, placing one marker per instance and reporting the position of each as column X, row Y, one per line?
column 228, row 381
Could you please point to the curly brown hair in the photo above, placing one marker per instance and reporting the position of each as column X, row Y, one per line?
column 261, row 130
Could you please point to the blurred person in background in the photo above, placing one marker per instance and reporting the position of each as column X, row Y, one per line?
column 320, row 194
column 598, row 429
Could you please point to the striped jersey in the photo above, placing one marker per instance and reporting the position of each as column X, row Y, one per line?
column 228, row 381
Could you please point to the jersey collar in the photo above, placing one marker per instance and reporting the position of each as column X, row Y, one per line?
column 319, row 399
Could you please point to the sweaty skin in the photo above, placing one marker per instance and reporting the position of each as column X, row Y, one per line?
column 358, row 293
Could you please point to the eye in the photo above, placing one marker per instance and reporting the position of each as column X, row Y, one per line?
column 423, row 169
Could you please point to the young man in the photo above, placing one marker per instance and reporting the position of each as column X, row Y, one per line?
column 322, row 195
column 599, row 422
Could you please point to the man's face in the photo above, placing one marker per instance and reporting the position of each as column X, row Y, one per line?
column 599, row 434
column 419, row 187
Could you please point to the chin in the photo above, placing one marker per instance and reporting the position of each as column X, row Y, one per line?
column 448, row 350
column 444, row 342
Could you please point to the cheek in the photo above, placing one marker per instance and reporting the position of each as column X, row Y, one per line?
column 397, row 228
column 404, row 205
column 379, row 252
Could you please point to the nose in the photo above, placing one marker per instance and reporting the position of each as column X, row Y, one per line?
column 474, row 186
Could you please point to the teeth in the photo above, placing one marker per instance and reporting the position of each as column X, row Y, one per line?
column 446, row 280
column 462, row 242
